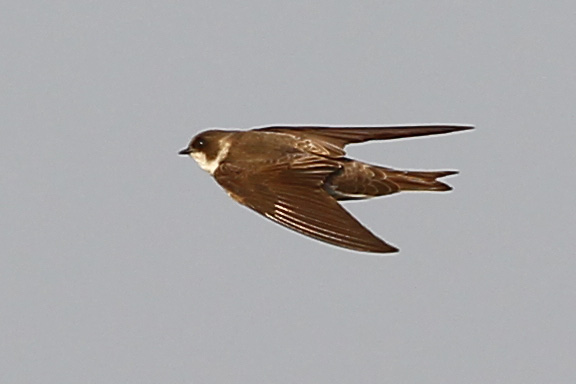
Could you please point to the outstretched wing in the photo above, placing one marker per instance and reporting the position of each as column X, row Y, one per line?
column 293, row 196
column 330, row 141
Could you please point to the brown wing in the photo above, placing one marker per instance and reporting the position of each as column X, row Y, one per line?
column 330, row 141
column 292, row 195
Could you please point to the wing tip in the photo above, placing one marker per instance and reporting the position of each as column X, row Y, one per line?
column 385, row 248
column 460, row 128
column 380, row 246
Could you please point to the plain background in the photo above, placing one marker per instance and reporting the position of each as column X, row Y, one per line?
column 124, row 263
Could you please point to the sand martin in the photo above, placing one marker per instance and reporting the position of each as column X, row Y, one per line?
column 295, row 176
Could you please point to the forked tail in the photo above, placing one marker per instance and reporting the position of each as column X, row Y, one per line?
column 419, row 180
column 357, row 181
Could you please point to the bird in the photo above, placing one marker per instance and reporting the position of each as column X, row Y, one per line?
column 297, row 175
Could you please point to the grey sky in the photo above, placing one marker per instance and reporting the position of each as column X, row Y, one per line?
column 124, row 263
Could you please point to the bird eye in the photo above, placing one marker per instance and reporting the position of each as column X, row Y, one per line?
column 199, row 143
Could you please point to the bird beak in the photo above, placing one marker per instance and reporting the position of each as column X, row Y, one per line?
column 185, row 152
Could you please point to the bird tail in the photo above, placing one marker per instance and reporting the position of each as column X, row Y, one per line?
column 419, row 180
column 358, row 181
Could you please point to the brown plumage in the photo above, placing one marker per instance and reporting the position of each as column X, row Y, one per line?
column 295, row 175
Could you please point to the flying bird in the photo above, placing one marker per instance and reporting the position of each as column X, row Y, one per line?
column 296, row 176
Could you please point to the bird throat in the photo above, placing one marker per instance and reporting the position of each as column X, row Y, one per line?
column 211, row 164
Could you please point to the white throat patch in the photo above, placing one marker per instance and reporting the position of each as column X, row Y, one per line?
column 210, row 166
